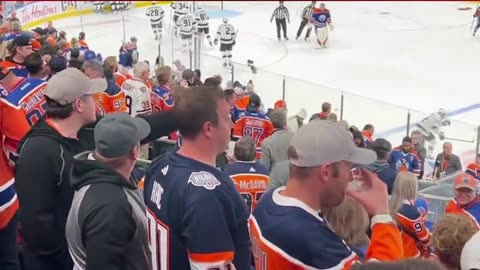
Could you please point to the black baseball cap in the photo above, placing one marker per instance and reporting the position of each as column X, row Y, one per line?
column 254, row 102
column 39, row 30
column 21, row 41
column 117, row 133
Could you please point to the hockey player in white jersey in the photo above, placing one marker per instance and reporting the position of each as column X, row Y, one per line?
column 186, row 25
column 137, row 96
column 431, row 127
column 179, row 8
column 203, row 26
column 476, row 15
column 226, row 33
column 98, row 6
column 156, row 14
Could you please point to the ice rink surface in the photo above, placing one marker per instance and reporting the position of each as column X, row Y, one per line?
column 417, row 55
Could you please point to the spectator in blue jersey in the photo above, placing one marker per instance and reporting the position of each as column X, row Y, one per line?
column 125, row 57
column 275, row 147
column 367, row 133
column 15, row 31
column 20, row 48
column 287, row 225
column 249, row 176
column 380, row 166
column 189, row 200
column 404, row 158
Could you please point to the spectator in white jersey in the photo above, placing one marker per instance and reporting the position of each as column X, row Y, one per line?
column 137, row 95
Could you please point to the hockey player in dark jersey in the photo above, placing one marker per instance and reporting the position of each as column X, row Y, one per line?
column 196, row 218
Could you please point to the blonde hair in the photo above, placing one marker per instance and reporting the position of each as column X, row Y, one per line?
column 332, row 117
column 74, row 43
column 449, row 237
column 404, row 188
column 350, row 221
column 344, row 124
column 163, row 74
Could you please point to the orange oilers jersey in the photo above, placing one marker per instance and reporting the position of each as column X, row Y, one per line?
column 121, row 78
column 474, row 170
column 83, row 44
column 250, row 179
column 241, row 103
column 18, row 69
column 286, row 234
column 412, row 224
column 472, row 210
column 19, row 110
column 256, row 125
column 111, row 100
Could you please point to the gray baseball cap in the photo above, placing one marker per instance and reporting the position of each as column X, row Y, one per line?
column 117, row 133
column 321, row 142
column 71, row 84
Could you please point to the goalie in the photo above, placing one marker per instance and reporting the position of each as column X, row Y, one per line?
column 432, row 126
column 321, row 18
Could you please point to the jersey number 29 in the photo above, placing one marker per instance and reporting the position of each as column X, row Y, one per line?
column 158, row 242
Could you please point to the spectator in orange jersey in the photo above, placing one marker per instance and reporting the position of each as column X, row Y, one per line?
column 367, row 133
column 450, row 235
column 240, row 105
column 121, row 75
column 287, row 229
column 249, row 176
column 52, row 37
column 474, row 168
column 280, row 104
column 8, row 81
column 466, row 201
column 254, row 124
column 81, row 41
column 112, row 99
column 19, row 110
column 415, row 235
column 21, row 48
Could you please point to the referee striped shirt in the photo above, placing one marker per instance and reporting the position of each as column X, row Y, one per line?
column 281, row 13
column 307, row 12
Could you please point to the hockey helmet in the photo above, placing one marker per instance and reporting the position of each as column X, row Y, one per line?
column 199, row 8
column 225, row 20
column 442, row 111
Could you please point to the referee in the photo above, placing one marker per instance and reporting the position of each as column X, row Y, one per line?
column 306, row 16
column 281, row 17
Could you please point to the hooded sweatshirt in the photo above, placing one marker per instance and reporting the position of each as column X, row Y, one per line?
column 44, row 191
column 106, row 232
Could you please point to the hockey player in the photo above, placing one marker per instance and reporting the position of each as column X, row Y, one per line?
column 98, row 6
column 477, row 15
column 431, row 126
column 227, row 35
column 404, row 158
column 186, row 24
column 203, row 24
column 179, row 8
column 156, row 14
column 321, row 18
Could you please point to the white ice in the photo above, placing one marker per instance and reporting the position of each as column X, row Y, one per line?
column 417, row 55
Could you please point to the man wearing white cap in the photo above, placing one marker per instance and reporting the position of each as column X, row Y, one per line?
column 470, row 259
column 288, row 230
column 43, row 167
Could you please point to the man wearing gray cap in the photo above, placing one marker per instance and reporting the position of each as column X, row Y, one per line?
column 42, row 172
column 109, row 232
column 287, row 224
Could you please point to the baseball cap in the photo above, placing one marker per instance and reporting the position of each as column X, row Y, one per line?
column 39, row 31
column 58, row 63
column 36, row 45
column 465, row 180
column 254, row 102
column 90, row 55
column 320, row 142
column 117, row 133
column 71, row 84
column 469, row 258
column 21, row 41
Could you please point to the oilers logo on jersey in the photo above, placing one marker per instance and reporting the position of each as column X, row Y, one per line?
column 402, row 165
column 203, row 179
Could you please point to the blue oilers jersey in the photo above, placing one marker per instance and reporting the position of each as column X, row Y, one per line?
column 404, row 161
column 196, row 218
column 321, row 17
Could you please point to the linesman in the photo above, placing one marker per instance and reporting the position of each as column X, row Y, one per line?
column 306, row 17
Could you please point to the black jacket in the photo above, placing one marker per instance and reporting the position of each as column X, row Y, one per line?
column 44, row 191
column 106, row 232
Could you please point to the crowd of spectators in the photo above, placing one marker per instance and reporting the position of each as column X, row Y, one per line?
column 322, row 194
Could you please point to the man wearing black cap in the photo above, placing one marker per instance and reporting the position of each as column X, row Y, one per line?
column 109, row 232
column 38, row 32
column 20, row 48
column 254, row 123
